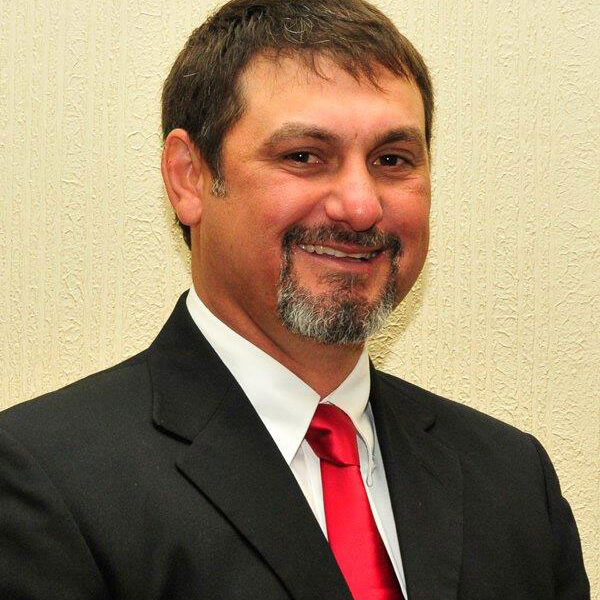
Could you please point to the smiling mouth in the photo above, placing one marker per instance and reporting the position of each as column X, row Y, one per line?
column 327, row 251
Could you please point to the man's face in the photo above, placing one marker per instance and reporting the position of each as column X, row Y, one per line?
column 324, row 225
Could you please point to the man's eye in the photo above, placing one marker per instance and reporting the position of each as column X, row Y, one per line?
column 390, row 160
column 302, row 157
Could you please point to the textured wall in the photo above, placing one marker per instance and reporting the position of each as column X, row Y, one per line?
column 504, row 317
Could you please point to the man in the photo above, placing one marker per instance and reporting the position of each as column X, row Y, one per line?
column 252, row 451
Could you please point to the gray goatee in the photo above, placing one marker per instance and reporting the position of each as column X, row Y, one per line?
column 339, row 316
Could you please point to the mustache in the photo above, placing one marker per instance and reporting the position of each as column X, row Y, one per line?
column 371, row 238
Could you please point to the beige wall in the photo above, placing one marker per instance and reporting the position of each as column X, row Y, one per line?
column 505, row 315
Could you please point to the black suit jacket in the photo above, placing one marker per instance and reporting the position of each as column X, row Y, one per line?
column 156, row 479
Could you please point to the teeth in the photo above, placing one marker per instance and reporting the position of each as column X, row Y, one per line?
column 332, row 252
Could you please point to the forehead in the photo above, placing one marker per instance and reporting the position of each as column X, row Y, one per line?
column 276, row 90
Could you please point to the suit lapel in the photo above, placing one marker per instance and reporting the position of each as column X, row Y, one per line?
column 235, row 463
column 425, row 483
column 244, row 474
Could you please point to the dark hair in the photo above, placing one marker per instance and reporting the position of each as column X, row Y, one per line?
column 201, row 93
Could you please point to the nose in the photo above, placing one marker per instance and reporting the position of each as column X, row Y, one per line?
column 354, row 199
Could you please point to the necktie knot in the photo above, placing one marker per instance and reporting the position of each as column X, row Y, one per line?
column 332, row 436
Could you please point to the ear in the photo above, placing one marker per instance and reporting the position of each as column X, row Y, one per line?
column 184, row 173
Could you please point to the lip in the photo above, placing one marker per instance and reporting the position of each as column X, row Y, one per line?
column 346, row 248
column 345, row 263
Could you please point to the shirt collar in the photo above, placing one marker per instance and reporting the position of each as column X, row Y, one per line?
column 284, row 403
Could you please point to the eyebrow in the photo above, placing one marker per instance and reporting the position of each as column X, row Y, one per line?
column 401, row 134
column 296, row 130
column 301, row 130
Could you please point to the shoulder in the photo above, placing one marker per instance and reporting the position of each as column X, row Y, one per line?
column 506, row 474
column 83, row 409
column 465, row 429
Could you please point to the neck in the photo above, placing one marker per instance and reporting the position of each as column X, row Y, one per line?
column 320, row 366
column 323, row 367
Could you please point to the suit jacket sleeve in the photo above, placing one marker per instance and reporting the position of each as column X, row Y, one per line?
column 43, row 555
column 571, row 582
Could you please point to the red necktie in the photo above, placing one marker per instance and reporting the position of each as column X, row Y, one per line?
column 351, row 529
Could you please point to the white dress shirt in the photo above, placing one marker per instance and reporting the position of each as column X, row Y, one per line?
column 286, row 405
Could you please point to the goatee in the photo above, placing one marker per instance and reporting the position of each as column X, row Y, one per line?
column 341, row 315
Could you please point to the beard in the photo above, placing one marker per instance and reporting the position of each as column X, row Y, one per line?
column 340, row 316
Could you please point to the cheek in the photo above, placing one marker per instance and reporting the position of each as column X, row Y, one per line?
column 409, row 218
column 286, row 203
column 414, row 221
